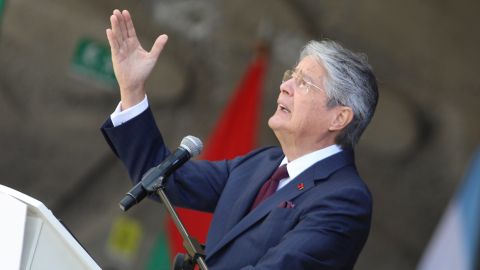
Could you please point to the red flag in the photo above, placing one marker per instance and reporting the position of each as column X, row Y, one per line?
column 234, row 134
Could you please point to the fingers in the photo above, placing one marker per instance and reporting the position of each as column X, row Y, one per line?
column 129, row 24
column 121, row 23
column 113, row 42
column 116, row 30
column 158, row 46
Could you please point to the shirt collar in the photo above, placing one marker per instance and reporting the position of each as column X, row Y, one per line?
column 300, row 164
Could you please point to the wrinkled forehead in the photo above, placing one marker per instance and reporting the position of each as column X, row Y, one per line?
column 311, row 68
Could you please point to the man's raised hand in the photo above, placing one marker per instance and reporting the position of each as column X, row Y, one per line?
column 131, row 63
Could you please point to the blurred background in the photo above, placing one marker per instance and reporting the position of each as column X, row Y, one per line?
column 57, row 88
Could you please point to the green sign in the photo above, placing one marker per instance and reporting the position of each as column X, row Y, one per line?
column 2, row 6
column 93, row 60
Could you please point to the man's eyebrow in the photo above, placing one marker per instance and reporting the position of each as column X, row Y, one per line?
column 304, row 75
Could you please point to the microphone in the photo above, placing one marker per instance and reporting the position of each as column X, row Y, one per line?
column 190, row 147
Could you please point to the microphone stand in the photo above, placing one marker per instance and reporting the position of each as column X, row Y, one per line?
column 195, row 251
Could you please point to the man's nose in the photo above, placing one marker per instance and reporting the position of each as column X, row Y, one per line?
column 288, row 87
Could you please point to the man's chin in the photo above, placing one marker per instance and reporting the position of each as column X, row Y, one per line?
column 276, row 124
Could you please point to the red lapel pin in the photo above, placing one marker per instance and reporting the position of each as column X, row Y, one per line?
column 300, row 187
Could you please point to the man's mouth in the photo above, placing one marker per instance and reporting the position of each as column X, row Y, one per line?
column 284, row 108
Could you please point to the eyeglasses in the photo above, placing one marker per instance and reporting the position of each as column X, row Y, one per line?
column 302, row 85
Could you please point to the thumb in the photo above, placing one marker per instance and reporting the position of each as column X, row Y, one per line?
column 158, row 46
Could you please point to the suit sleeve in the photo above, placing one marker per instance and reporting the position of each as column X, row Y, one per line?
column 140, row 146
column 330, row 231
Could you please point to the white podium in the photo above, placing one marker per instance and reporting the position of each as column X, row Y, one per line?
column 31, row 238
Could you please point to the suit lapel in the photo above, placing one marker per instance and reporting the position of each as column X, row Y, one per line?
column 284, row 194
column 243, row 204
column 319, row 170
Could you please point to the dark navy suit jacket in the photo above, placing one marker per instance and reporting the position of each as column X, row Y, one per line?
column 326, row 229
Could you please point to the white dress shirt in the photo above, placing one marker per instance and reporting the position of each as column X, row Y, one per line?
column 119, row 117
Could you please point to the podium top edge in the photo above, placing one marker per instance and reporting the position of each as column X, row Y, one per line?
column 23, row 198
column 38, row 209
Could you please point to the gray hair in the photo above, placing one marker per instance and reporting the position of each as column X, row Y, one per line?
column 349, row 82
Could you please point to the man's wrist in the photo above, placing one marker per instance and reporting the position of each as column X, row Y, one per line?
column 131, row 98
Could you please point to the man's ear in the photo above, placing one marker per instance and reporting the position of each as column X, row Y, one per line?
column 343, row 116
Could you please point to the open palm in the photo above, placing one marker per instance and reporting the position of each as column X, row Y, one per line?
column 131, row 63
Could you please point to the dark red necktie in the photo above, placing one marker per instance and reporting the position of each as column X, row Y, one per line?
column 270, row 186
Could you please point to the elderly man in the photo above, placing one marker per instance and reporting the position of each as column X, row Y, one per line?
column 302, row 206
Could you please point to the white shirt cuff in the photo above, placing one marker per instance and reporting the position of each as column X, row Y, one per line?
column 119, row 117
